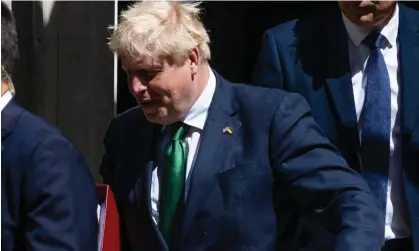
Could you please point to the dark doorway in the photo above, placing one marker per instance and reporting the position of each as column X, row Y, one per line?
column 236, row 30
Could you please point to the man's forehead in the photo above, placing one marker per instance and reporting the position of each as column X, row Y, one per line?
column 143, row 62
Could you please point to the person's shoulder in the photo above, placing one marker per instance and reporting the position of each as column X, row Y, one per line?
column 256, row 91
column 284, row 28
column 134, row 113
column 283, row 32
column 127, row 122
column 411, row 15
column 30, row 123
column 34, row 132
column 129, row 117
column 303, row 27
column 264, row 99
column 260, row 106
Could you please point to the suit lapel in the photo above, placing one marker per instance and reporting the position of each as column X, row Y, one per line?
column 147, row 188
column 150, row 166
column 214, row 147
column 143, row 190
column 409, row 70
column 338, row 77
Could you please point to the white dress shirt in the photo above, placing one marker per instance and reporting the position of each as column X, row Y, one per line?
column 5, row 99
column 196, row 119
column 396, row 222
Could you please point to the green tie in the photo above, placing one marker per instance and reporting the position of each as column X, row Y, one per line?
column 173, row 182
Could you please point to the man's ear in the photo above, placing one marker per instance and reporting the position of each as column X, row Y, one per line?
column 194, row 58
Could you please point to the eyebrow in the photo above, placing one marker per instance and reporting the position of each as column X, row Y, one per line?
column 142, row 67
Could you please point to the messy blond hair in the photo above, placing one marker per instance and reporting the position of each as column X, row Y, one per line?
column 166, row 30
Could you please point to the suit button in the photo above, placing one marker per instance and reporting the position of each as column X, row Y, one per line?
column 205, row 234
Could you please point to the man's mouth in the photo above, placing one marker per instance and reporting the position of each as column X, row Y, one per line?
column 145, row 102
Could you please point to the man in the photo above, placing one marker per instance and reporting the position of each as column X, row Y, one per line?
column 204, row 164
column 48, row 200
column 363, row 94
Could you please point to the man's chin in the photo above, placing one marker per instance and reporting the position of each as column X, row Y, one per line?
column 158, row 118
column 152, row 117
column 368, row 22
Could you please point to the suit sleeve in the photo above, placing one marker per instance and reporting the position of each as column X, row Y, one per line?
column 60, row 199
column 319, row 178
column 107, row 170
column 107, row 164
column 268, row 72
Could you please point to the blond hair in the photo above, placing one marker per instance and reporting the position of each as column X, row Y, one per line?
column 166, row 30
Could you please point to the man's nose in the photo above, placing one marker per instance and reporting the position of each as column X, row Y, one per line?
column 137, row 85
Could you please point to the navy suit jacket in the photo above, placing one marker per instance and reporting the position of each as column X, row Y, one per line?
column 48, row 199
column 309, row 56
column 275, row 158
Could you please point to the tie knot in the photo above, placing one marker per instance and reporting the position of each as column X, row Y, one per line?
column 178, row 130
column 373, row 40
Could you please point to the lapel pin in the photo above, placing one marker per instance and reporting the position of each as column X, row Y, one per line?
column 228, row 130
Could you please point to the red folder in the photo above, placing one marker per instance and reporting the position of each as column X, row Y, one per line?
column 108, row 238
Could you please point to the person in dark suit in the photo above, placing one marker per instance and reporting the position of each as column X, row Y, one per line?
column 357, row 67
column 48, row 198
column 205, row 164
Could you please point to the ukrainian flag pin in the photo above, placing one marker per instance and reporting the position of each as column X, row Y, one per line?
column 228, row 130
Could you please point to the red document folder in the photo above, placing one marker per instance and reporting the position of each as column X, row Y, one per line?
column 108, row 239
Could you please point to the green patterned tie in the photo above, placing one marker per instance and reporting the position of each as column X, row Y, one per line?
column 173, row 182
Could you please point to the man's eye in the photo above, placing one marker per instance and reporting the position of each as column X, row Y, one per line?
column 146, row 74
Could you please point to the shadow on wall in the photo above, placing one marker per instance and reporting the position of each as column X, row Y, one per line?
column 65, row 71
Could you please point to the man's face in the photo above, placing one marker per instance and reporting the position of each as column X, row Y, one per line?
column 368, row 14
column 164, row 92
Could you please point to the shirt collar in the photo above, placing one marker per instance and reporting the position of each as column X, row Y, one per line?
column 5, row 99
column 389, row 31
column 197, row 115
